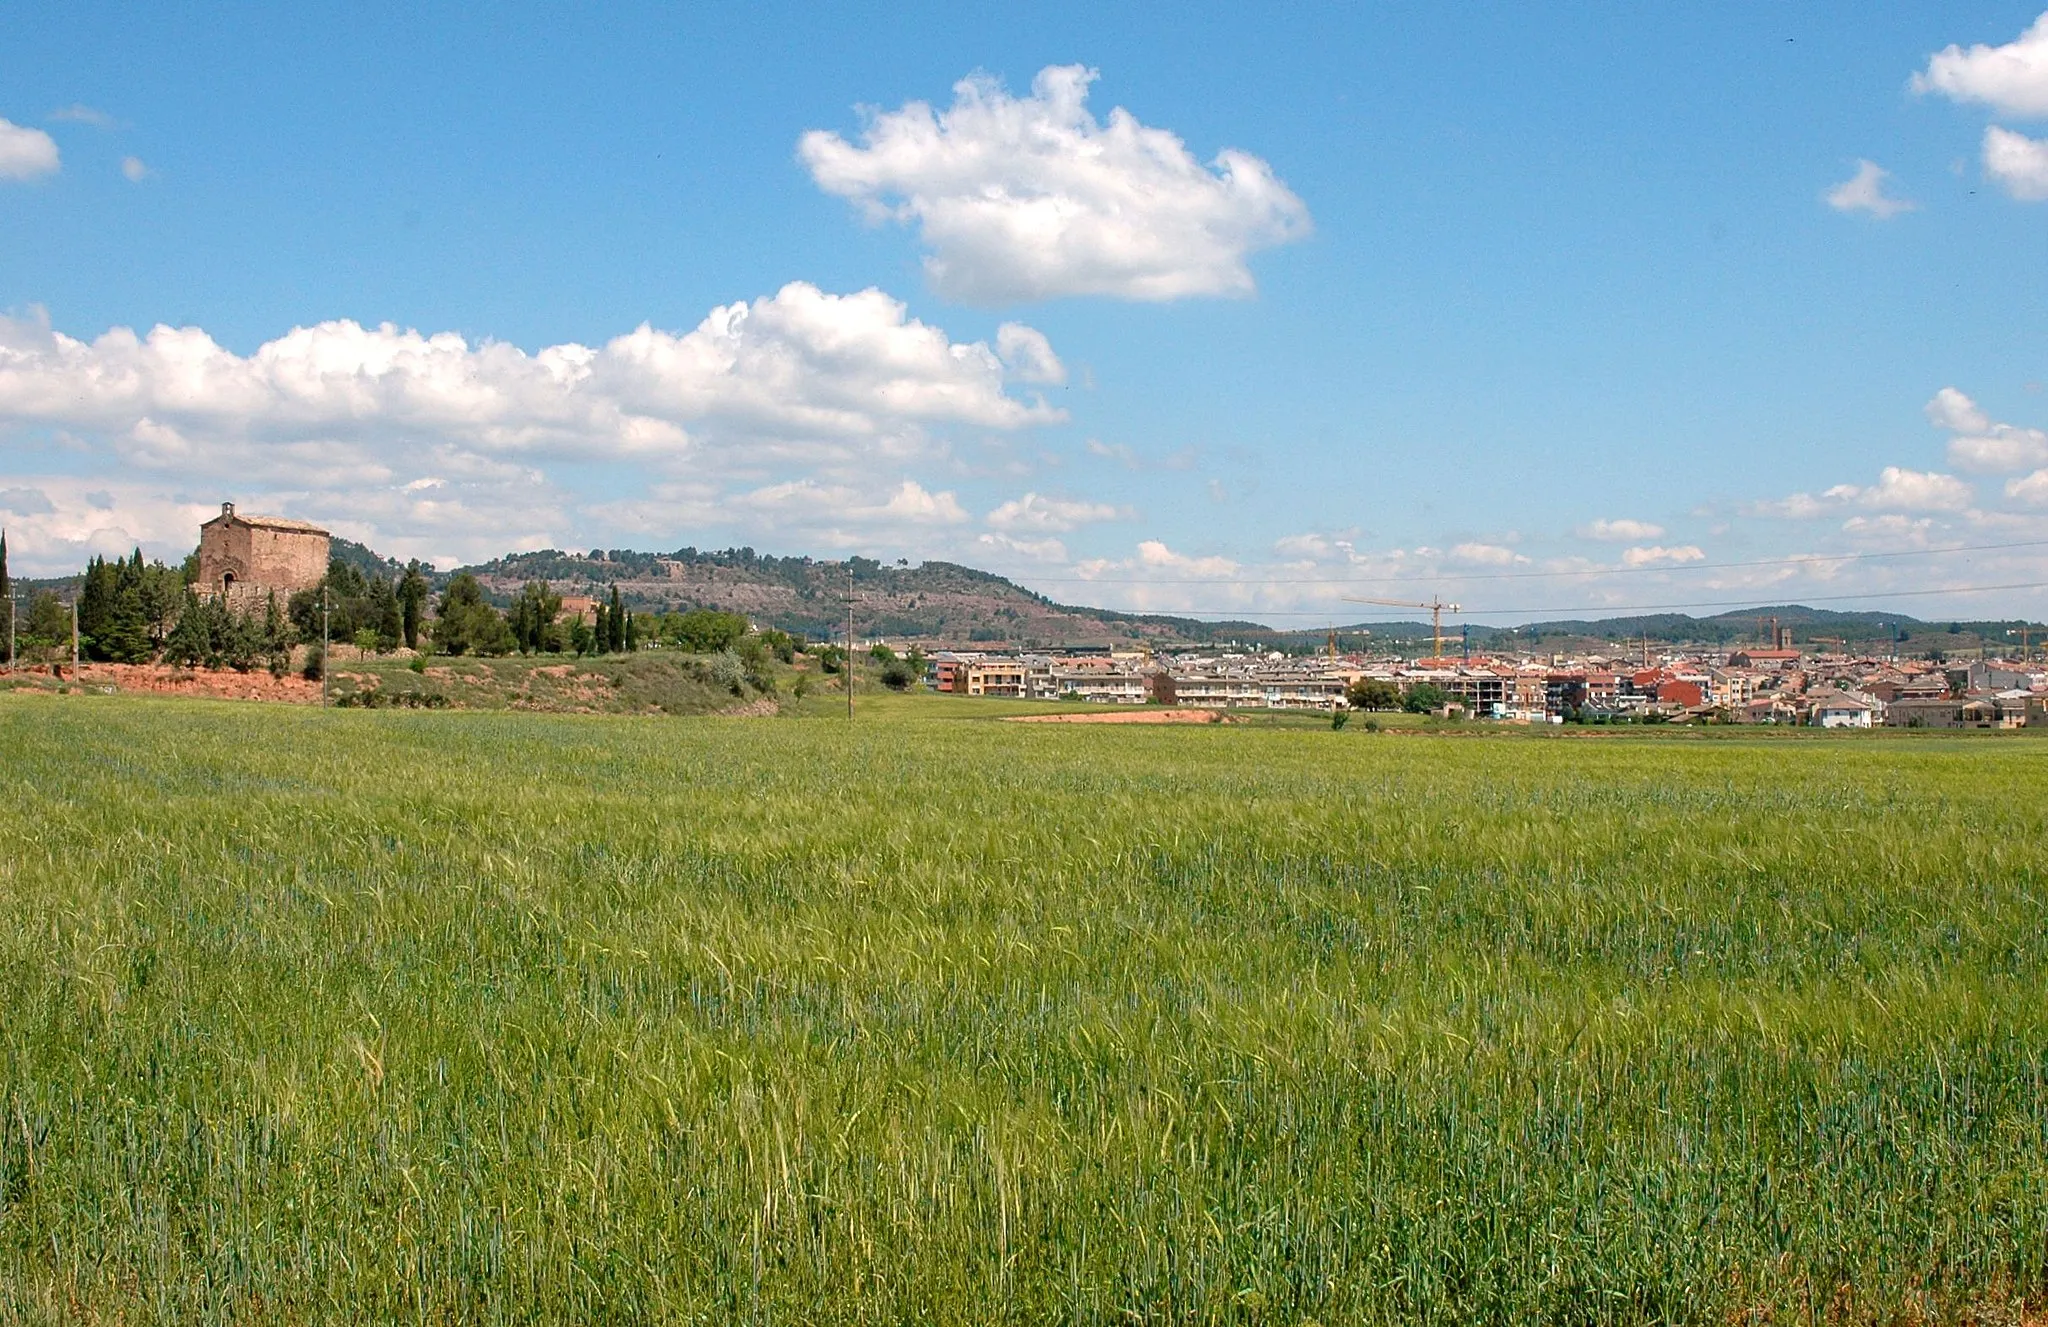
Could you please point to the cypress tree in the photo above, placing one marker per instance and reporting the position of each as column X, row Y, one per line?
column 412, row 603
column 617, row 623
column 6, row 605
column 96, row 610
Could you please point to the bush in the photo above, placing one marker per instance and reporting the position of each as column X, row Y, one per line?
column 724, row 669
column 316, row 664
column 896, row 675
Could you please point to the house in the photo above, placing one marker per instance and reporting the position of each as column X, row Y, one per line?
column 245, row 558
column 1839, row 709
column 1924, row 712
column 997, row 677
column 1778, row 659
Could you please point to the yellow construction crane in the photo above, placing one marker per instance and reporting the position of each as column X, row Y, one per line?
column 1437, row 608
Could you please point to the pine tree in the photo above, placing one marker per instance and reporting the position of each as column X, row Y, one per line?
column 124, row 637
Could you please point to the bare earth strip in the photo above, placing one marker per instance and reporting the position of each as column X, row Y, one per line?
column 1125, row 716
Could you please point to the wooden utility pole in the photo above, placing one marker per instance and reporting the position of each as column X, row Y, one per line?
column 325, row 662
column 847, row 665
column 74, row 633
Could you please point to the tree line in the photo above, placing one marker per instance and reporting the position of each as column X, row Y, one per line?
column 132, row 611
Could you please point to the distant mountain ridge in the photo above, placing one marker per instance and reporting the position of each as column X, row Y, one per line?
column 960, row 605
column 933, row 600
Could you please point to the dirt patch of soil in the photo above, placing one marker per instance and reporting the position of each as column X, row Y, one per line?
column 164, row 680
column 1126, row 716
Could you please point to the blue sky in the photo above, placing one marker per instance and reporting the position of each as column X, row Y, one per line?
column 1539, row 313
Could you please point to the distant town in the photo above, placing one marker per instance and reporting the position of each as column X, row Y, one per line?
column 1775, row 684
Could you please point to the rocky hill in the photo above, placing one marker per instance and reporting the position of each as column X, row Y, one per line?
column 934, row 601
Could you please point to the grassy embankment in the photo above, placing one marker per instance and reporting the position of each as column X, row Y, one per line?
column 357, row 1016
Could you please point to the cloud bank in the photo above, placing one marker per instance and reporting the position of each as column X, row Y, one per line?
column 803, row 407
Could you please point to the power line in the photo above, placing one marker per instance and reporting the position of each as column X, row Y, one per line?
column 1804, row 559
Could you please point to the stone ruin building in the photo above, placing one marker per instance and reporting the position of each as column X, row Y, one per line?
column 246, row 558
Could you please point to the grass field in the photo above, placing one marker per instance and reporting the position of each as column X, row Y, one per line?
column 426, row 1017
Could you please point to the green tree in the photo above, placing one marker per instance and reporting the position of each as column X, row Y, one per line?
column 1424, row 697
column 111, row 626
column 191, row 640
column 532, row 619
column 385, row 617
column 6, row 605
column 210, row 633
column 467, row 624
column 754, row 658
column 615, row 624
column 277, row 637
column 48, row 625
column 705, row 630
column 412, row 603
column 161, row 593
column 1372, row 693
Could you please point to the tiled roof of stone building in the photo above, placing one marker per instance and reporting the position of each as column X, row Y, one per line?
column 266, row 522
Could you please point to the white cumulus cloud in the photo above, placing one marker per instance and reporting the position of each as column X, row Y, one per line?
column 2017, row 162
column 2029, row 490
column 1900, row 489
column 910, row 503
column 1022, row 198
column 1864, row 192
column 2011, row 79
column 1980, row 444
column 1035, row 512
column 135, row 170
column 1896, row 489
column 1049, row 549
column 1485, row 555
column 26, row 154
column 1029, row 355
column 1620, row 531
column 1656, row 553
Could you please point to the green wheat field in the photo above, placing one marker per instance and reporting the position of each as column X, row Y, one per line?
column 319, row 1017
